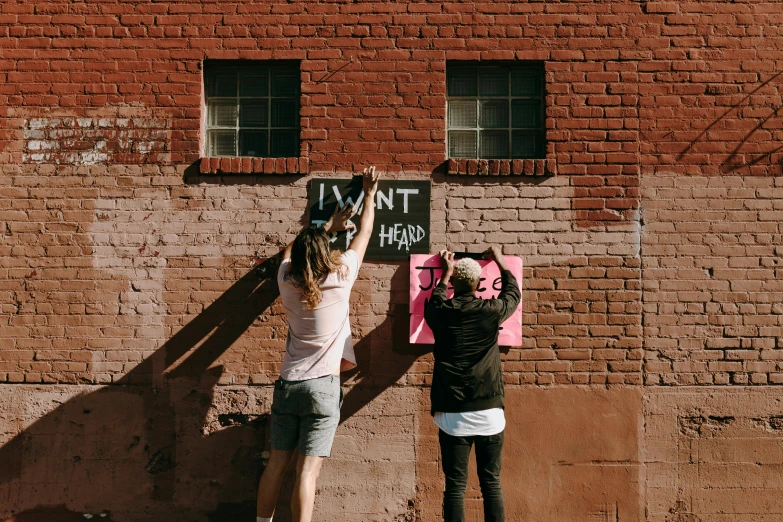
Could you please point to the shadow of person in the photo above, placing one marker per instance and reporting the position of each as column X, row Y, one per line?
column 385, row 355
column 153, row 446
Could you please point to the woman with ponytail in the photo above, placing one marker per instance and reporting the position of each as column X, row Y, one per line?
column 315, row 287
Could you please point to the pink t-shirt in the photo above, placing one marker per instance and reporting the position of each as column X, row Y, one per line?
column 319, row 338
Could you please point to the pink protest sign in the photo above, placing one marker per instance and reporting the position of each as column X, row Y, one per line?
column 425, row 272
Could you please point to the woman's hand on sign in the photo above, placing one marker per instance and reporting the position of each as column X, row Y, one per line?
column 370, row 181
column 341, row 219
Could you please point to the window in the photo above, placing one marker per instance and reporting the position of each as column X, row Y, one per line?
column 495, row 111
column 252, row 108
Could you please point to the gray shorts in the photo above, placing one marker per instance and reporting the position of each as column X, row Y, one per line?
column 305, row 415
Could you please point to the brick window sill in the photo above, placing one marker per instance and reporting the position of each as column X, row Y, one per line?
column 254, row 165
column 522, row 167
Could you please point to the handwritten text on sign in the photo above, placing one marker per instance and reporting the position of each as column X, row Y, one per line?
column 402, row 214
column 425, row 273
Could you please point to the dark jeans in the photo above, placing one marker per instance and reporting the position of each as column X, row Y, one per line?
column 455, row 452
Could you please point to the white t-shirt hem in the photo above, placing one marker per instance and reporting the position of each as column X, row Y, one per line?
column 471, row 423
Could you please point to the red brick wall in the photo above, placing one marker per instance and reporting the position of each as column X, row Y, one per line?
column 711, row 88
column 651, row 248
column 373, row 77
column 711, row 275
column 120, row 84
column 711, row 167
column 105, row 266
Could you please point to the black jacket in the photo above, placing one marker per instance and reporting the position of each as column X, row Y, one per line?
column 467, row 374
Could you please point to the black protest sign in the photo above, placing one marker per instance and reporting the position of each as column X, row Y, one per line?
column 402, row 214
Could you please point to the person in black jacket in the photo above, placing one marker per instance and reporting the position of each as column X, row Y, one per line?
column 467, row 382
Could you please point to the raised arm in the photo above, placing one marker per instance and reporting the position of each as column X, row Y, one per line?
column 509, row 296
column 438, row 296
column 362, row 238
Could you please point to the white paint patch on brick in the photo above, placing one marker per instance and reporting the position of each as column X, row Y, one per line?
column 126, row 239
column 94, row 141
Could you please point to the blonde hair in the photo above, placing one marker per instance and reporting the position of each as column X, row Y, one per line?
column 311, row 261
column 467, row 270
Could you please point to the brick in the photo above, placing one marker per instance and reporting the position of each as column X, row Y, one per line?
column 649, row 231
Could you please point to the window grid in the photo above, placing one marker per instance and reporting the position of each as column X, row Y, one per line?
column 237, row 128
column 512, row 126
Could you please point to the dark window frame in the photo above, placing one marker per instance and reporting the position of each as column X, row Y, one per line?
column 269, row 134
column 512, row 128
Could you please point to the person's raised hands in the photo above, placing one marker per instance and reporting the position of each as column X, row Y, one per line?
column 370, row 181
column 494, row 253
column 341, row 219
column 447, row 261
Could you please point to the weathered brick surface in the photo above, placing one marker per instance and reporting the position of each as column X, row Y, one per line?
column 713, row 454
column 136, row 453
column 650, row 234
column 373, row 78
column 113, row 450
column 582, row 315
column 95, row 141
column 710, row 89
column 105, row 271
column 92, row 449
column 711, row 254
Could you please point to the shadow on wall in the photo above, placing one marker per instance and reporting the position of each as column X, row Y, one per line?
column 745, row 154
column 385, row 356
column 143, row 449
column 154, row 446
